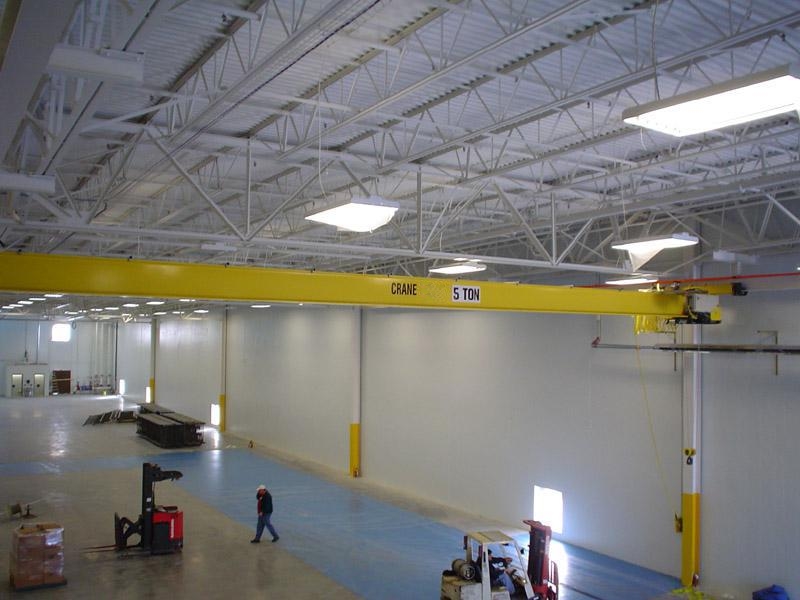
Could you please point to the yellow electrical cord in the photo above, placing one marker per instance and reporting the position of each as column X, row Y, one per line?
column 650, row 426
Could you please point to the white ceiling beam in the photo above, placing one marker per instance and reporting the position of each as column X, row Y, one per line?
column 444, row 71
column 20, row 182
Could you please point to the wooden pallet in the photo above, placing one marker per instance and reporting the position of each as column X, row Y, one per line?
column 24, row 588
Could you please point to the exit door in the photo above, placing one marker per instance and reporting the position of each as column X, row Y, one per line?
column 38, row 384
column 16, row 384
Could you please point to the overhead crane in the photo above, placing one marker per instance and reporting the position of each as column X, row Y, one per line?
column 140, row 278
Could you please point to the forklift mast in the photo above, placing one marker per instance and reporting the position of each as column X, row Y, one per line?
column 543, row 573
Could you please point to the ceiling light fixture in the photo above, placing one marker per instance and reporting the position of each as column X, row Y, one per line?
column 633, row 280
column 155, row 302
column 24, row 302
column 459, row 268
column 260, row 305
column 105, row 64
column 643, row 249
column 674, row 240
column 201, row 311
column 37, row 299
column 54, row 295
column 219, row 247
column 740, row 100
column 360, row 214
column 130, row 305
column 734, row 257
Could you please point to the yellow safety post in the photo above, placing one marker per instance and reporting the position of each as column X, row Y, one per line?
column 355, row 449
column 222, row 413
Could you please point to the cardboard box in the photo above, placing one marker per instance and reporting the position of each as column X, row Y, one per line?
column 26, row 573
column 54, row 571
column 36, row 536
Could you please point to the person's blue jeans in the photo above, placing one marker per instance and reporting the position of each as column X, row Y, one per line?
column 263, row 521
column 508, row 582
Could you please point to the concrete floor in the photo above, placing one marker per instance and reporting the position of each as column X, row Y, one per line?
column 340, row 538
column 217, row 561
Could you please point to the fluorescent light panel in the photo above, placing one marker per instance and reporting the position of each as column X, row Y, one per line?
column 740, row 100
column 360, row 214
column 633, row 280
column 459, row 268
column 219, row 247
column 649, row 244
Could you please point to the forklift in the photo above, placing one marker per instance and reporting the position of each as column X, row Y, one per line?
column 538, row 580
column 160, row 528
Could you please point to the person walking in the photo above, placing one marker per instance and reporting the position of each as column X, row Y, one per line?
column 264, row 499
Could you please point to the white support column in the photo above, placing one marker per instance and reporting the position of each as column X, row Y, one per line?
column 355, row 423
column 153, row 348
column 223, row 385
column 692, row 459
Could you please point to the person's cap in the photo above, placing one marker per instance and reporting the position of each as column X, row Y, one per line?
column 261, row 487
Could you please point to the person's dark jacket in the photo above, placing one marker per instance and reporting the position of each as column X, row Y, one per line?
column 265, row 503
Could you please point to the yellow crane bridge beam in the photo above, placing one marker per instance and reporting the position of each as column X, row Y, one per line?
column 141, row 278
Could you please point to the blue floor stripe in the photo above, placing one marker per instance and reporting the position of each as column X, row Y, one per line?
column 373, row 548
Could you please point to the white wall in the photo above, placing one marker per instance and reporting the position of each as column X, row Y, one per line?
column 133, row 359
column 291, row 377
column 472, row 409
column 750, row 506
column 89, row 352
column 17, row 337
column 188, row 370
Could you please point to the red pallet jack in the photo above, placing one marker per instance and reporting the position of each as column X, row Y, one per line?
column 542, row 572
column 160, row 528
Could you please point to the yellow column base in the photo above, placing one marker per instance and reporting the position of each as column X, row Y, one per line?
column 222, row 412
column 690, row 543
column 355, row 449
column 153, row 390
